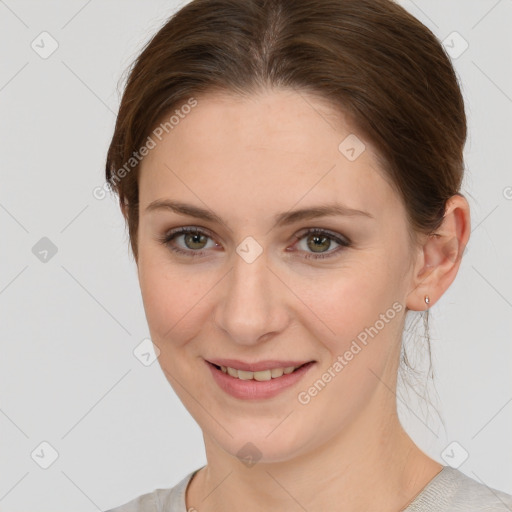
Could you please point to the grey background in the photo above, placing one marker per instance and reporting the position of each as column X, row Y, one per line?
column 69, row 324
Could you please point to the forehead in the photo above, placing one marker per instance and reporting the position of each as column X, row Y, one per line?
column 245, row 154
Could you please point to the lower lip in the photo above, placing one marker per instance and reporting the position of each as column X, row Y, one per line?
column 254, row 389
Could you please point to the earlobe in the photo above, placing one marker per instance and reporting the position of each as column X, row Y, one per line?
column 440, row 257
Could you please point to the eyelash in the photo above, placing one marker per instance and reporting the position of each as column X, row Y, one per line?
column 170, row 236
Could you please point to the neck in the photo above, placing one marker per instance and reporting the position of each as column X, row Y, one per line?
column 369, row 465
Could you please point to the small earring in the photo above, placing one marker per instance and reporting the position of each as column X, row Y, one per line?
column 427, row 299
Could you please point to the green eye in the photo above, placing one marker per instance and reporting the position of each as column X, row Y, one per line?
column 319, row 241
column 195, row 240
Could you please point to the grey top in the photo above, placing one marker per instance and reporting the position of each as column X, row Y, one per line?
column 449, row 491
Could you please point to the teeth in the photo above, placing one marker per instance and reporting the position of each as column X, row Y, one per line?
column 276, row 372
column 260, row 376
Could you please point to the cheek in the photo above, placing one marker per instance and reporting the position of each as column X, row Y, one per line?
column 348, row 301
column 336, row 306
column 362, row 307
column 363, row 310
column 174, row 297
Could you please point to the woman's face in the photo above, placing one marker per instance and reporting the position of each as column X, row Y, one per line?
column 247, row 287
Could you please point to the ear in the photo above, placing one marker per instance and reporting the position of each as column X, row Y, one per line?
column 440, row 255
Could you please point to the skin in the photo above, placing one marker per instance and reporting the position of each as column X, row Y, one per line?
column 246, row 160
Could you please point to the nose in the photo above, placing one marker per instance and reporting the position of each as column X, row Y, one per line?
column 252, row 306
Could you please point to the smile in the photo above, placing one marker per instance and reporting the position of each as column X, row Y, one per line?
column 262, row 375
column 260, row 384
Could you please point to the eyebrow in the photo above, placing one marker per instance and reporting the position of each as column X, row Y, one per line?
column 281, row 219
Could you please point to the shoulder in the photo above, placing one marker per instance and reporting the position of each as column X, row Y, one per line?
column 145, row 503
column 453, row 491
column 159, row 500
column 478, row 496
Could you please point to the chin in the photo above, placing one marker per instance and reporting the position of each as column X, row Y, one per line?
column 262, row 443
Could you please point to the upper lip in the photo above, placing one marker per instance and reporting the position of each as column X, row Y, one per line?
column 257, row 365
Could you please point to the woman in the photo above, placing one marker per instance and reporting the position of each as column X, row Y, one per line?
column 290, row 174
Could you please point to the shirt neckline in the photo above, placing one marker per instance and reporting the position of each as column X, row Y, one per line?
column 423, row 494
column 425, row 491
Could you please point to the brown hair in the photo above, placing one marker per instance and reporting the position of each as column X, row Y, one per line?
column 370, row 58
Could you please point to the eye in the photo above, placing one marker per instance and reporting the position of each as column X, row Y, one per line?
column 319, row 241
column 195, row 241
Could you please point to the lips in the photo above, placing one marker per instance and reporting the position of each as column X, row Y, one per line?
column 256, row 385
column 258, row 366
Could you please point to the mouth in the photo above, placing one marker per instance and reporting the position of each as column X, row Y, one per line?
column 261, row 375
column 267, row 382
